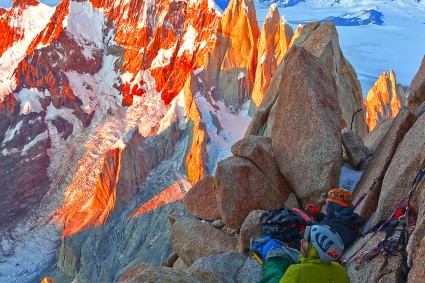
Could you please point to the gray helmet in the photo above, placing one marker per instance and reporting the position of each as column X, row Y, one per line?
column 327, row 242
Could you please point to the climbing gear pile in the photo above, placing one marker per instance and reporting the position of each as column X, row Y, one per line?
column 397, row 242
column 284, row 224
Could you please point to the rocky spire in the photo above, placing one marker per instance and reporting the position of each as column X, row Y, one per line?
column 384, row 100
column 232, row 62
column 323, row 42
column 274, row 41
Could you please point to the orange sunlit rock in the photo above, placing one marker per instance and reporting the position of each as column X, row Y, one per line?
column 384, row 100
column 232, row 62
column 296, row 34
column 10, row 104
column 174, row 19
column 272, row 46
column 196, row 169
column 10, row 33
column 79, row 219
column 53, row 29
column 172, row 193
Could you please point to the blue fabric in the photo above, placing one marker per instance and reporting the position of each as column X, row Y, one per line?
column 263, row 245
column 266, row 247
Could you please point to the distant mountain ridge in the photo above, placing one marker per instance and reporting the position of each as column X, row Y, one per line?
column 363, row 17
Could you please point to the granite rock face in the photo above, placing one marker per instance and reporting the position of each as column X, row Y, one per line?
column 192, row 239
column 381, row 160
column 417, row 89
column 320, row 137
column 241, row 187
column 201, row 202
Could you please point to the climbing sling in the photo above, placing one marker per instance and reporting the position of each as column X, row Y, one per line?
column 373, row 186
column 404, row 233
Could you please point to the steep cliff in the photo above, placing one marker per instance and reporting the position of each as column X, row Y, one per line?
column 384, row 100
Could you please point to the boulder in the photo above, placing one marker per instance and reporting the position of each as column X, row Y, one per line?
column 322, row 41
column 191, row 239
column 241, row 187
column 146, row 273
column 318, row 139
column 354, row 147
column 380, row 161
column 180, row 265
column 250, row 271
column 259, row 151
column 372, row 139
column 251, row 228
column 200, row 200
column 417, row 89
column 219, row 224
column 223, row 268
column 171, row 260
column 402, row 171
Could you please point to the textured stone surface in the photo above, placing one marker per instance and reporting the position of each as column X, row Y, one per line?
column 403, row 169
column 201, row 202
column 372, row 139
column 258, row 150
column 322, row 41
column 250, row 271
column 146, row 273
column 240, row 188
column 417, row 272
column 220, row 268
column 381, row 160
column 192, row 239
column 417, row 89
column 319, row 138
column 219, row 224
column 292, row 201
column 250, row 229
column 354, row 147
